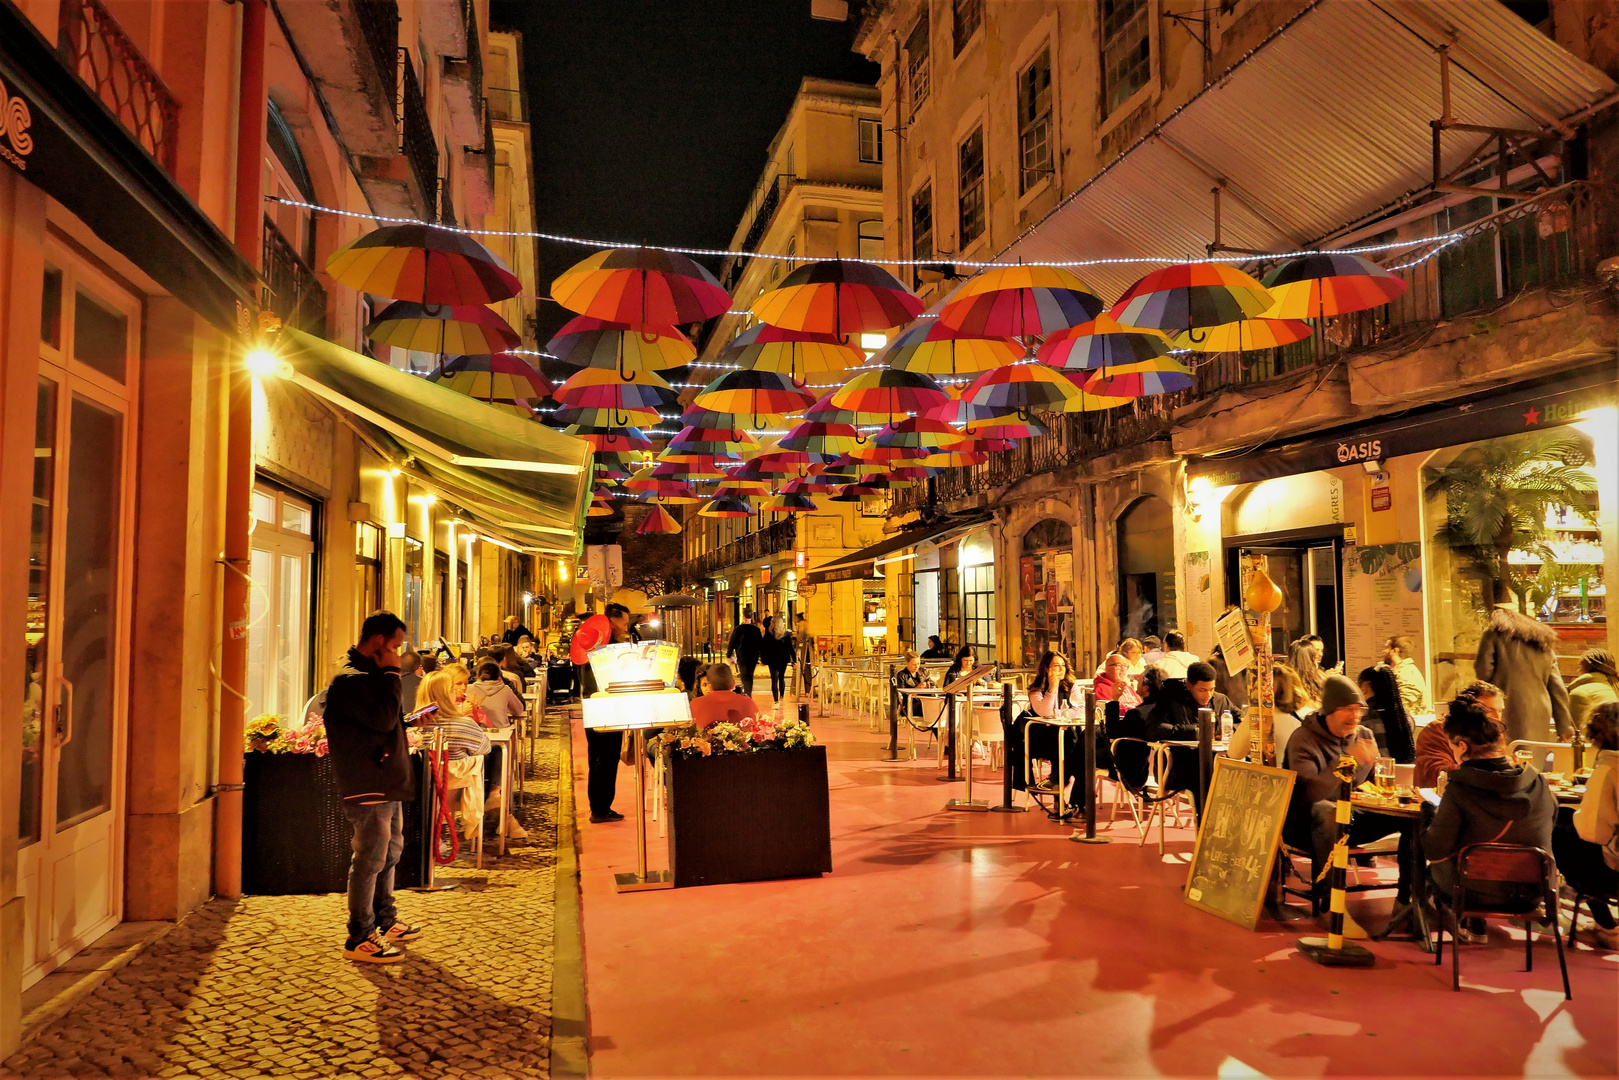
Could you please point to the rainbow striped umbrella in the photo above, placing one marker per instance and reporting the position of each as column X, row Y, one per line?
column 975, row 422
column 1161, row 376
column 788, row 503
column 764, row 395
column 688, row 469
column 779, row 463
column 872, row 452
column 1244, row 335
column 910, row 474
column 621, row 419
column 442, row 328
column 953, row 459
column 743, row 487
column 770, row 348
column 1022, row 387
column 699, row 417
column 423, row 264
column 1190, row 295
column 936, row 349
column 726, row 508
column 588, row 342
column 501, row 379
column 838, row 298
column 596, row 388
column 1102, row 342
column 824, row 412
column 1329, row 283
column 921, row 433
column 888, row 394
column 830, row 476
column 709, row 442
column 607, row 439
column 1020, row 302
column 657, row 520
column 599, row 508
column 663, row 488
column 820, row 439
column 641, row 286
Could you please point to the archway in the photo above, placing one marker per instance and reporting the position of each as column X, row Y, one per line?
column 1046, row 590
column 1146, row 544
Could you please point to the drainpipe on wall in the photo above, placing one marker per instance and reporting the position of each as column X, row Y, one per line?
column 239, row 467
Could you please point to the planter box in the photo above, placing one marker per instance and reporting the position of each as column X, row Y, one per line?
column 295, row 838
column 749, row 817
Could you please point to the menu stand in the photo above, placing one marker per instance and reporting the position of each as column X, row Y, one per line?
column 637, row 707
column 967, row 802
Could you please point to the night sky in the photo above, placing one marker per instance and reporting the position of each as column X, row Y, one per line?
column 650, row 119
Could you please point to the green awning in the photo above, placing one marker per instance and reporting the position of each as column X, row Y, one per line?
column 519, row 474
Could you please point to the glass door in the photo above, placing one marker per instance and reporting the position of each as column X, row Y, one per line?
column 1308, row 574
column 70, row 865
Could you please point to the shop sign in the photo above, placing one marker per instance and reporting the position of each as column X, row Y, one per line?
column 1382, row 492
column 1366, row 450
column 764, row 575
column 800, row 558
column 15, row 120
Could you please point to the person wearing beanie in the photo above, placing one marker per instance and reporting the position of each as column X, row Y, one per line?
column 1313, row 752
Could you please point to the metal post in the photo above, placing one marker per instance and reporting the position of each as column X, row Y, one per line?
column 1333, row 950
column 1006, row 806
column 803, row 712
column 1205, row 757
column 949, row 737
column 642, row 880
column 967, row 802
column 1094, row 713
column 894, row 697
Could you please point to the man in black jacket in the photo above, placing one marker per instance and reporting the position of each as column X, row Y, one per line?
column 746, row 642
column 365, row 735
column 1171, row 716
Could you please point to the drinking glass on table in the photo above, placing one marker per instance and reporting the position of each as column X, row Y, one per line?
column 1384, row 771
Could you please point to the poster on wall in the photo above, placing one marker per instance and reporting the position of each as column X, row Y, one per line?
column 1062, row 569
column 1197, row 602
column 1026, row 576
column 1382, row 599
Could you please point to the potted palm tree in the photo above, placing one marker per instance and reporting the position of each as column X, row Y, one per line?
column 1498, row 495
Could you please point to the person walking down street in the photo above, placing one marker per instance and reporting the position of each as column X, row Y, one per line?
column 1596, row 684
column 804, row 646
column 515, row 631
column 747, row 641
column 1519, row 654
column 365, row 735
column 602, row 747
column 776, row 650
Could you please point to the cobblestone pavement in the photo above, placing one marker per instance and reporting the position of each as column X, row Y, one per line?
column 259, row 986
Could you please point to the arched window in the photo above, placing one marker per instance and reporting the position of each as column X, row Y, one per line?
column 1046, row 590
column 1146, row 538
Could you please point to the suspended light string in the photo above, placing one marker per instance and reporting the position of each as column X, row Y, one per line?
column 976, row 264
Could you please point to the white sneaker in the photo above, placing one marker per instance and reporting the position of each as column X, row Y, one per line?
column 515, row 831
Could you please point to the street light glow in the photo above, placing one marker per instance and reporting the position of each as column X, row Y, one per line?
column 264, row 363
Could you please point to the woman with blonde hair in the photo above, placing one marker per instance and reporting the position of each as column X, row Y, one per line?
column 1291, row 706
column 464, row 744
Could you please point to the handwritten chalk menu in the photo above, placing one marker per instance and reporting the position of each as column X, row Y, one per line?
column 1236, row 844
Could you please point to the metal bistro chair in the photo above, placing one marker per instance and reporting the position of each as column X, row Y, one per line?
column 1510, row 864
column 1143, row 768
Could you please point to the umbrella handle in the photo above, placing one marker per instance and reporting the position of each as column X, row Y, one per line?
column 621, row 376
column 1194, row 337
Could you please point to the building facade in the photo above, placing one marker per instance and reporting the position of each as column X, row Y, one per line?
column 204, row 541
column 1124, row 134
column 819, row 197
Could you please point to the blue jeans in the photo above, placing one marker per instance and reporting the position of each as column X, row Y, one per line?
column 379, row 838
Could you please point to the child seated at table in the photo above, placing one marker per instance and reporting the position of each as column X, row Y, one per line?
column 721, row 703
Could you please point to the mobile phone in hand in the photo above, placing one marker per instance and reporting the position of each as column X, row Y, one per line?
column 424, row 711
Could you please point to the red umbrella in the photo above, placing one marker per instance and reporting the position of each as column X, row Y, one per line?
column 642, row 286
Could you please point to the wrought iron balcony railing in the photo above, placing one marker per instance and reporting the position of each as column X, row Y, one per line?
column 97, row 49
column 296, row 294
column 1478, row 260
column 379, row 25
column 416, row 139
column 474, row 59
column 506, row 103
column 779, row 536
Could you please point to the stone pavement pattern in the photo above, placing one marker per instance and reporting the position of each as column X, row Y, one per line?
column 259, row 987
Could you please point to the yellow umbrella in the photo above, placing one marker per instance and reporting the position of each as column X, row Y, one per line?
column 1260, row 333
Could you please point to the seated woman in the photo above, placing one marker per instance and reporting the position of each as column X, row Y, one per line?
column 1051, row 689
column 1588, row 854
column 961, row 666
column 465, row 743
column 936, row 649
column 1385, row 714
column 910, row 677
column 1488, row 799
column 1134, row 653
column 1113, row 684
column 1290, row 707
column 501, row 708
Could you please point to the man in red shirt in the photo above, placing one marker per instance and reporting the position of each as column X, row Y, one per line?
column 602, row 747
column 722, row 704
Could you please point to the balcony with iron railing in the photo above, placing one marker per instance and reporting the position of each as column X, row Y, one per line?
column 507, row 104
column 379, row 26
column 416, row 139
column 462, row 84
column 296, row 294
column 773, row 538
column 1555, row 239
column 93, row 44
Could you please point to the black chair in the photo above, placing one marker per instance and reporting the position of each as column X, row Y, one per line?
column 1137, row 764
column 1532, row 870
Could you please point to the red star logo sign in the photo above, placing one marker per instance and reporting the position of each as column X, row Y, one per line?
column 1532, row 417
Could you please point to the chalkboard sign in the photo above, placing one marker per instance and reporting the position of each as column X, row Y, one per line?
column 1236, row 844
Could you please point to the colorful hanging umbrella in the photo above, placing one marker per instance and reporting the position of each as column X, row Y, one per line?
column 1020, row 302
column 619, row 419
column 1329, row 283
column 758, row 394
column 641, row 286
column 1191, row 295
column 1161, row 376
column 872, row 452
column 501, row 379
column 976, row 422
column 726, row 508
column 1244, row 335
column 662, row 488
column 953, row 459
column 788, row 503
column 1022, row 387
column 838, row 298
column 824, row 412
column 936, row 349
column 699, row 417
column 770, row 348
column 921, row 433
column 688, row 469
column 596, row 388
column 442, row 328
column 606, row 439
column 1102, row 342
column 887, row 394
column 820, row 439
column 425, row 265
column 598, row 508
column 596, row 343
column 709, row 442
column 657, row 520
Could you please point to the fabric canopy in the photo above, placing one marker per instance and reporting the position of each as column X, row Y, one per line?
column 860, row 563
column 519, row 474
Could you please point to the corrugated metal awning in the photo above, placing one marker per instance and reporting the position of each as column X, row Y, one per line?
column 1324, row 123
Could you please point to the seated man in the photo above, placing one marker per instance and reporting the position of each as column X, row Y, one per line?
column 1313, row 752
column 910, row 677
column 1173, row 718
column 1488, row 798
column 721, row 703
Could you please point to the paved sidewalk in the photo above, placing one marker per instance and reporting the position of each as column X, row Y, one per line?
column 259, row 987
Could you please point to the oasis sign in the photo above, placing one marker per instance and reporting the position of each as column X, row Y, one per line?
column 1370, row 450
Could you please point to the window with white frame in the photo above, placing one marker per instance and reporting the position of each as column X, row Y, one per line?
column 1126, row 50
column 871, row 142
column 917, row 50
column 970, row 178
column 870, row 235
column 281, row 599
column 1034, row 122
